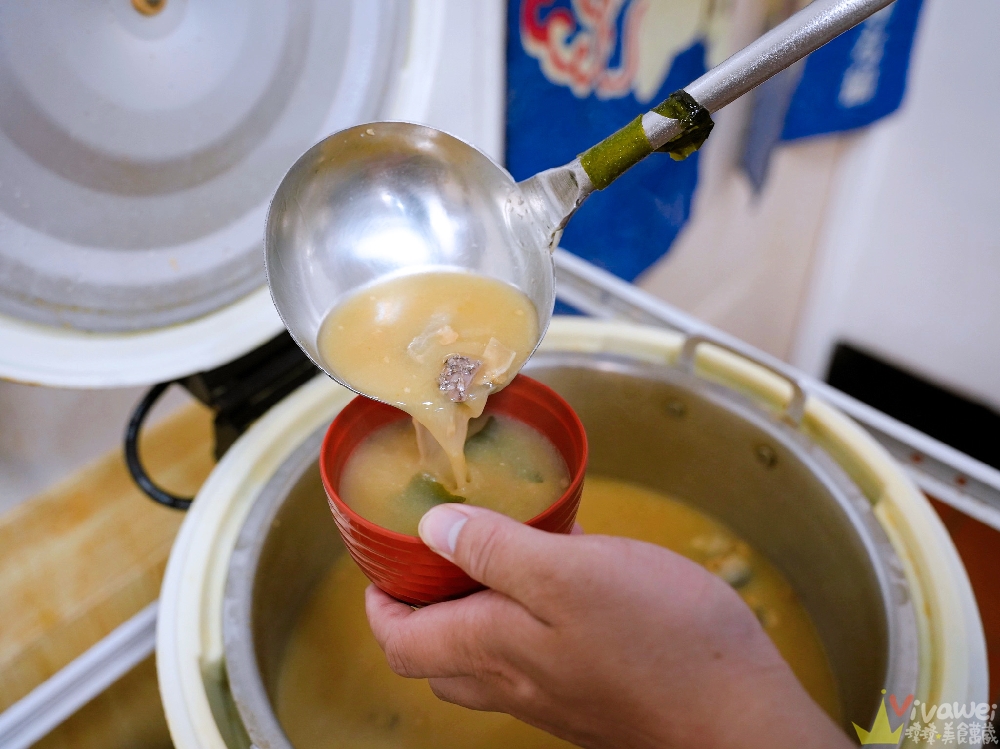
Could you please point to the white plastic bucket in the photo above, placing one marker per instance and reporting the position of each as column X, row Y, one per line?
column 952, row 653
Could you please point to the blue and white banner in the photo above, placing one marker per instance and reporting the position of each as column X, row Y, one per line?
column 577, row 70
column 858, row 78
column 851, row 82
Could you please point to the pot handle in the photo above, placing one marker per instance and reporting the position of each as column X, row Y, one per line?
column 796, row 408
column 134, row 463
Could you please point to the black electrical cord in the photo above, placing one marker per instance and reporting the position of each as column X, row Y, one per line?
column 132, row 452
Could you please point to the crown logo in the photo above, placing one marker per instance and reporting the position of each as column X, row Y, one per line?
column 881, row 732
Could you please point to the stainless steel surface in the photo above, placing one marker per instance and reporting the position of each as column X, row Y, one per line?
column 139, row 152
column 701, row 442
column 287, row 543
column 786, row 43
column 387, row 199
column 799, row 509
column 796, row 408
column 50, row 703
column 548, row 200
column 938, row 469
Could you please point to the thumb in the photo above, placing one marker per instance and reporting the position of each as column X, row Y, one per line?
column 495, row 550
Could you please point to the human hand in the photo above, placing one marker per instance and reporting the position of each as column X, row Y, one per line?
column 606, row 642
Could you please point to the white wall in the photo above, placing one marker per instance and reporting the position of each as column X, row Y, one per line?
column 744, row 260
column 888, row 238
column 909, row 260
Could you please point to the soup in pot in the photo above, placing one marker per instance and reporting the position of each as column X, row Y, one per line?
column 336, row 689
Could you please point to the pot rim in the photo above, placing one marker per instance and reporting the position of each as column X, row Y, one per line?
column 246, row 683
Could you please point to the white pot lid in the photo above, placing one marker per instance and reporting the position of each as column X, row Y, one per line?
column 138, row 154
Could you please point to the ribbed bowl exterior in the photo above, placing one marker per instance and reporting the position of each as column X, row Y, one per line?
column 402, row 565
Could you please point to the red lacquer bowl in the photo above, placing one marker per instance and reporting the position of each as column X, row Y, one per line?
column 402, row 565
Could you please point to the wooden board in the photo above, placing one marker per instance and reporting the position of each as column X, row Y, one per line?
column 128, row 715
column 86, row 555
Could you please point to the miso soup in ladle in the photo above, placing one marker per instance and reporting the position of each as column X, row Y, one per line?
column 370, row 205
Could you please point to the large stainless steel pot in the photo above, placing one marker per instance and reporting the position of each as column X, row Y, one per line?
column 657, row 425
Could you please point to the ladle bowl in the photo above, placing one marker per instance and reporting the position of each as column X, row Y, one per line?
column 391, row 198
column 387, row 199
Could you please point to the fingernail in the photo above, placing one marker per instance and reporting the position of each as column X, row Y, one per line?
column 439, row 529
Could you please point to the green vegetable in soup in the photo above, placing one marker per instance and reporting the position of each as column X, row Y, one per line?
column 424, row 492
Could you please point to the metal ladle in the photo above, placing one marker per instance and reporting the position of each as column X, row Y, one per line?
column 390, row 198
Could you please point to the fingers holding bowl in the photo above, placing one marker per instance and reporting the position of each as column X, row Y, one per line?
column 472, row 636
column 507, row 556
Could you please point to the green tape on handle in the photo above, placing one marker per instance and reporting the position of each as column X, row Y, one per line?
column 613, row 156
column 697, row 121
column 609, row 159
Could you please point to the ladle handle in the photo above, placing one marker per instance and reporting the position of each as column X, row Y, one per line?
column 681, row 123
